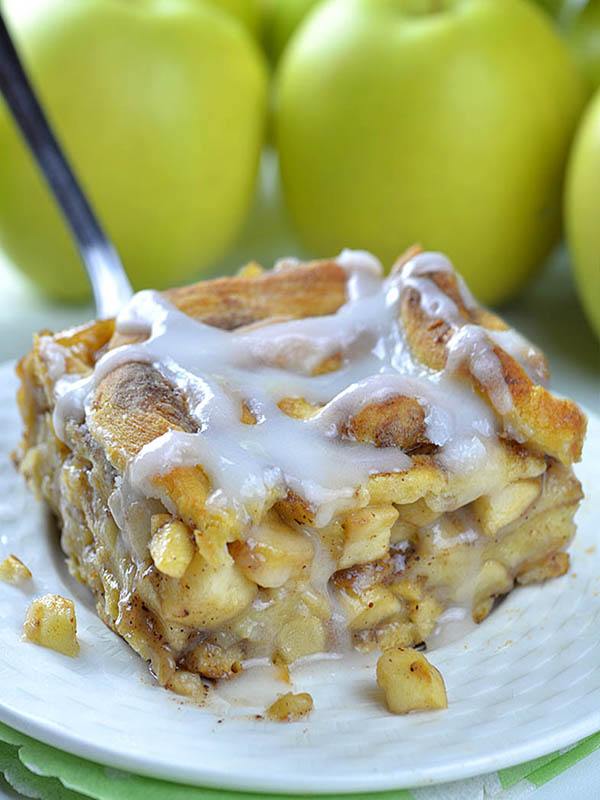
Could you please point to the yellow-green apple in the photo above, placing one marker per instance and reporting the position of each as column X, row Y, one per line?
column 444, row 122
column 281, row 20
column 582, row 207
column 553, row 7
column 160, row 105
column 583, row 37
column 248, row 12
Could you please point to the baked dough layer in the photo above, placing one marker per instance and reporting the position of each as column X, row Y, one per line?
column 196, row 593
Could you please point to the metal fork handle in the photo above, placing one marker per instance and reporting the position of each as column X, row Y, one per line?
column 110, row 285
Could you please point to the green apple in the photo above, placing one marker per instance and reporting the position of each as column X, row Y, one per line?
column 553, row 7
column 583, row 37
column 160, row 105
column 281, row 20
column 582, row 209
column 562, row 11
column 444, row 122
column 248, row 12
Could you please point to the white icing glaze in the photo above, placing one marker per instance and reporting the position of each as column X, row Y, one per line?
column 217, row 370
column 470, row 344
column 453, row 624
column 54, row 357
column 517, row 346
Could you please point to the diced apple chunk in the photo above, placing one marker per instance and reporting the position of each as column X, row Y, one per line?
column 553, row 566
column 205, row 597
column 397, row 634
column 188, row 684
column 424, row 614
column 368, row 607
column 290, row 707
column 423, row 610
column 410, row 682
column 50, row 622
column 495, row 511
column 418, row 513
column 212, row 661
column 13, row 570
column 367, row 535
column 211, row 543
column 273, row 553
column 171, row 546
column 403, row 532
column 299, row 637
column 493, row 581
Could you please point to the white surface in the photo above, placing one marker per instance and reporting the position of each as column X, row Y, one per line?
column 525, row 683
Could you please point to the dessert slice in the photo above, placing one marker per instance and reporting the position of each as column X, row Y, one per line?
column 300, row 460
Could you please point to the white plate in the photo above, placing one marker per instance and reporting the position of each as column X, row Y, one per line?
column 524, row 683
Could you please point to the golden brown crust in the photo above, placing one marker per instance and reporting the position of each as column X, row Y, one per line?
column 553, row 425
column 311, row 289
column 134, row 405
column 549, row 424
column 87, row 341
column 396, row 422
column 427, row 336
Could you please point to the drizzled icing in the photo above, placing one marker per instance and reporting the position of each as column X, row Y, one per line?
column 218, row 370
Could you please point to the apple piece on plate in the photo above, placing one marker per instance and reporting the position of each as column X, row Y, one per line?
column 161, row 108
column 410, row 682
column 447, row 123
column 50, row 622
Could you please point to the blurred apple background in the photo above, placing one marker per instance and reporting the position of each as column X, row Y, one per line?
column 212, row 132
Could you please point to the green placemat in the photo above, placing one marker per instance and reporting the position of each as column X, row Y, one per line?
column 39, row 771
